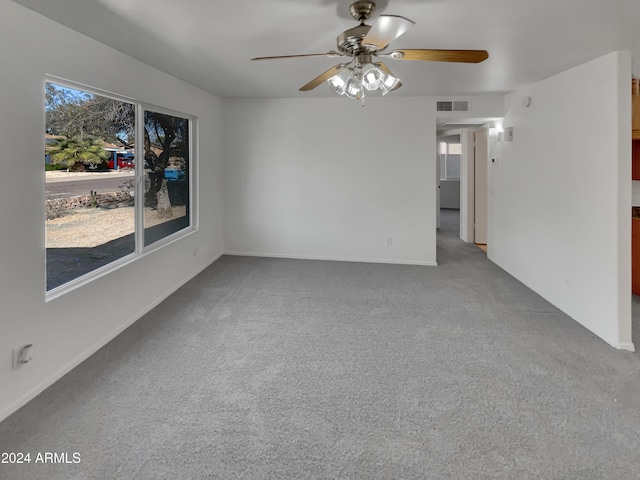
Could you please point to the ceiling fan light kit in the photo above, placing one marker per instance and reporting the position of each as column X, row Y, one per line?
column 363, row 42
column 354, row 80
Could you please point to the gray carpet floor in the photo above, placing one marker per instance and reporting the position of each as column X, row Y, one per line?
column 290, row 369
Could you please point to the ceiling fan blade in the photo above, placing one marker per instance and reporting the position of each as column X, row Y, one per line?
column 323, row 77
column 330, row 54
column 386, row 70
column 386, row 29
column 463, row 56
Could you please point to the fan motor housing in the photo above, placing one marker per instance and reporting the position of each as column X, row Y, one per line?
column 350, row 41
column 362, row 10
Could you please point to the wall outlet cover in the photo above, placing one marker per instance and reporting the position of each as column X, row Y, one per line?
column 22, row 355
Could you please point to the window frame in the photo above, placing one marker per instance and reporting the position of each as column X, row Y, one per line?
column 140, row 250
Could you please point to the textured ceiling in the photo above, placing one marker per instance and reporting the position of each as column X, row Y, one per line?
column 209, row 43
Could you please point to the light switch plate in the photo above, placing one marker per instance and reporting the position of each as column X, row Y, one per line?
column 508, row 134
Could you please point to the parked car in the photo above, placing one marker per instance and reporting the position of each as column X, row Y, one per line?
column 125, row 160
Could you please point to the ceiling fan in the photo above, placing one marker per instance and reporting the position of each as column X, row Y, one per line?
column 363, row 43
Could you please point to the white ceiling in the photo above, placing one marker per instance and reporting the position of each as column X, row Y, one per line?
column 209, row 43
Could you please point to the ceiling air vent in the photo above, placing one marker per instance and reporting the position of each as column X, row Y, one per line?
column 452, row 106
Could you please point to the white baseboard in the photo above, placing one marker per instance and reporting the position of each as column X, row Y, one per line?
column 38, row 389
column 627, row 346
column 613, row 342
column 333, row 259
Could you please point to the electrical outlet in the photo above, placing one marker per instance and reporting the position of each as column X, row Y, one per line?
column 22, row 355
column 389, row 241
column 195, row 251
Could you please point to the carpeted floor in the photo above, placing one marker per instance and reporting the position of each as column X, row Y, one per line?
column 289, row 369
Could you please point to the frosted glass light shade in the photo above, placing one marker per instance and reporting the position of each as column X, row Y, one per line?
column 372, row 77
column 338, row 83
column 354, row 88
column 389, row 84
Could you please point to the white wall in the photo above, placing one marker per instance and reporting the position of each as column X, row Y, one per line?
column 66, row 330
column 560, row 194
column 326, row 178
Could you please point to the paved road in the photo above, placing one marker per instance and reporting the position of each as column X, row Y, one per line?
column 82, row 186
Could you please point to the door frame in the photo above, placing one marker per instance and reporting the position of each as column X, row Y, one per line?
column 481, row 186
column 467, row 186
column 467, row 177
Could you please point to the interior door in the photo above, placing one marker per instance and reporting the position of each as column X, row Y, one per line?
column 437, row 183
column 481, row 186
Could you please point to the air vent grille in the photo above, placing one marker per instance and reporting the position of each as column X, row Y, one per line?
column 452, row 106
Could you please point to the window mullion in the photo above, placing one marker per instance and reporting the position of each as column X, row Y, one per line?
column 139, row 175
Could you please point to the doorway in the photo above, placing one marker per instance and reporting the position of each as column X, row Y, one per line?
column 458, row 152
column 449, row 167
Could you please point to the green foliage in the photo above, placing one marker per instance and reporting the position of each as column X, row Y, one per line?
column 69, row 151
column 52, row 166
column 75, row 113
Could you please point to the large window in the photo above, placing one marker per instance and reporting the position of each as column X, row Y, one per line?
column 118, row 181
